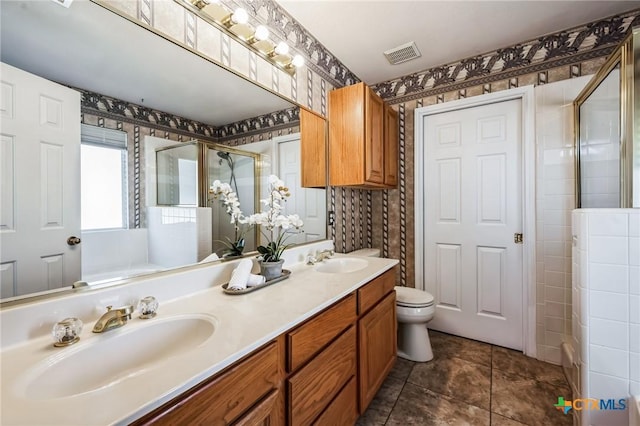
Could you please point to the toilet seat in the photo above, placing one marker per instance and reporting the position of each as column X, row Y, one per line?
column 412, row 297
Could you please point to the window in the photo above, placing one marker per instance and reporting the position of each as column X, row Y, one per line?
column 103, row 178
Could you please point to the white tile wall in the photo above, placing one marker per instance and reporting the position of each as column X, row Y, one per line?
column 178, row 226
column 555, row 199
column 606, row 309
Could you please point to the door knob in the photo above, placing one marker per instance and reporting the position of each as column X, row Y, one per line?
column 72, row 240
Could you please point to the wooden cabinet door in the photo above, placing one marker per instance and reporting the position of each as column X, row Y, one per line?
column 313, row 150
column 390, row 146
column 378, row 347
column 346, row 135
column 374, row 138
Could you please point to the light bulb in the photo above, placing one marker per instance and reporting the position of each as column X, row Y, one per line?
column 282, row 48
column 262, row 33
column 297, row 61
column 240, row 16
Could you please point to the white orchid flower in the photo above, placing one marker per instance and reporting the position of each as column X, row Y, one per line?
column 295, row 221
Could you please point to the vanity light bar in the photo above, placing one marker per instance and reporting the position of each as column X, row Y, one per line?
column 236, row 24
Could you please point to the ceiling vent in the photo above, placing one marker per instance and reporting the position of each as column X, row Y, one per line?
column 404, row 53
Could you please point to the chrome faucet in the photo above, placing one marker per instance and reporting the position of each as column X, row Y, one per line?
column 113, row 318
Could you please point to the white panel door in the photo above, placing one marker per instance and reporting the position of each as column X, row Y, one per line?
column 40, row 198
column 308, row 203
column 473, row 208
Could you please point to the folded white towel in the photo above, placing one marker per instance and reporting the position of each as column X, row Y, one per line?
column 240, row 275
column 255, row 280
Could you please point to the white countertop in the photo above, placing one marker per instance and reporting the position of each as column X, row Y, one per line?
column 243, row 324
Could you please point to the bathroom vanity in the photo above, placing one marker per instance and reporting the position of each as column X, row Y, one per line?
column 313, row 349
column 324, row 371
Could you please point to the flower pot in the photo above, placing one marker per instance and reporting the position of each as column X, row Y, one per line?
column 271, row 270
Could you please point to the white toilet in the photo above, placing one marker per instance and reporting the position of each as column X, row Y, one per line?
column 414, row 309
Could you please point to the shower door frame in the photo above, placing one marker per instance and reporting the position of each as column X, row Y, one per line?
column 625, row 55
column 203, row 177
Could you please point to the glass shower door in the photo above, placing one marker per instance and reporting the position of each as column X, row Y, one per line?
column 238, row 169
column 599, row 145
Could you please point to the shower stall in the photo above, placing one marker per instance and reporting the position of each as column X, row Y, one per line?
column 602, row 361
column 607, row 120
column 241, row 170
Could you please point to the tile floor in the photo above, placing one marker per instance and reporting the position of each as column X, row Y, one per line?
column 470, row 383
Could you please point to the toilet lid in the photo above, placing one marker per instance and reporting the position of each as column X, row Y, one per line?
column 412, row 297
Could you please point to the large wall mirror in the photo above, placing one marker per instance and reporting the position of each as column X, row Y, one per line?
column 129, row 203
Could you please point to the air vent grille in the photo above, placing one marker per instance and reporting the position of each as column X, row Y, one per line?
column 404, row 53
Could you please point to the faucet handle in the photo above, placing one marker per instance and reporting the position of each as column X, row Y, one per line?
column 148, row 307
column 67, row 332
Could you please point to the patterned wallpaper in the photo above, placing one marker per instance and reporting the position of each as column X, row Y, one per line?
column 569, row 47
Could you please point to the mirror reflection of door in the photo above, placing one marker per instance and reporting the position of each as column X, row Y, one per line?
column 281, row 156
column 238, row 169
column 40, row 204
column 308, row 203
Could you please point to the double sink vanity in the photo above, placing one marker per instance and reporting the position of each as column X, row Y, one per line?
column 312, row 349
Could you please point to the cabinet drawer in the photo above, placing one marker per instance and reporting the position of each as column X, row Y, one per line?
column 312, row 388
column 226, row 397
column 306, row 340
column 343, row 410
column 264, row 413
column 373, row 292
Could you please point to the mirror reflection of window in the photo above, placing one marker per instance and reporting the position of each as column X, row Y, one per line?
column 103, row 178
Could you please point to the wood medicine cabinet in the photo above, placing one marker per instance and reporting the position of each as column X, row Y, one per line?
column 363, row 139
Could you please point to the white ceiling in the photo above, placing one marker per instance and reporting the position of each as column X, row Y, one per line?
column 89, row 47
column 358, row 32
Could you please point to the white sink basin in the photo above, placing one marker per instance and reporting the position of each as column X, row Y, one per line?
column 341, row 265
column 116, row 355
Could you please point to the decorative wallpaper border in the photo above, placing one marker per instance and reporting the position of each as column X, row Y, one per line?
column 116, row 109
column 108, row 107
column 563, row 48
column 318, row 58
column 273, row 121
